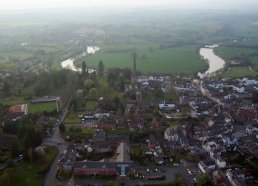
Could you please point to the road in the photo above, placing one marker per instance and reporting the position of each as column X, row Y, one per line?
column 59, row 142
column 208, row 94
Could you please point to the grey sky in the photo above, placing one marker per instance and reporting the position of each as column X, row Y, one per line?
column 28, row 4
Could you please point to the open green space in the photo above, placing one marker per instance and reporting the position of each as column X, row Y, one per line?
column 72, row 118
column 121, row 131
column 234, row 52
column 239, row 72
column 254, row 61
column 150, row 58
column 88, row 106
column 41, row 107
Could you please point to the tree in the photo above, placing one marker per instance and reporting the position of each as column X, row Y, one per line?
column 204, row 180
column 5, row 179
column 100, row 68
column 36, row 138
column 74, row 105
column 116, row 100
column 177, row 180
column 94, row 78
column 30, row 154
column 158, row 92
column 122, row 84
column 11, row 163
column 110, row 183
column 93, row 92
column 6, row 88
column 62, row 128
column 88, row 84
column 15, row 150
column 84, row 69
column 40, row 90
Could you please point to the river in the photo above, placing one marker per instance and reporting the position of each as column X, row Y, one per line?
column 69, row 63
column 215, row 62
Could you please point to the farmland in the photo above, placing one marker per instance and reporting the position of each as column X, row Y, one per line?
column 245, row 53
column 165, row 42
column 150, row 59
column 234, row 52
column 241, row 71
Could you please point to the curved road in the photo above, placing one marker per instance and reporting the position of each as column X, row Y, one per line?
column 58, row 141
column 207, row 93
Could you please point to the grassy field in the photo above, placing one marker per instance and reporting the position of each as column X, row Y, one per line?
column 122, row 131
column 240, row 72
column 72, row 118
column 149, row 58
column 233, row 52
column 41, row 107
column 254, row 60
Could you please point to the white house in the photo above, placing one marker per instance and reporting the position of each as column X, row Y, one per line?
column 165, row 106
column 206, row 166
column 220, row 162
column 250, row 129
column 202, row 167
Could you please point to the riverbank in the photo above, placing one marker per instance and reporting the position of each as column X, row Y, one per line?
column 69, row 63
column 215, row 62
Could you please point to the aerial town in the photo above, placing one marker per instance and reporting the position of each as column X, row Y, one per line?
column 209, row 132
column 129, row 93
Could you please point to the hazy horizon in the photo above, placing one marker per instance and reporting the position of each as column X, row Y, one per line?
column 192, row 4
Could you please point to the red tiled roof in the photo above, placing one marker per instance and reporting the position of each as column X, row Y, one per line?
column 17, row 108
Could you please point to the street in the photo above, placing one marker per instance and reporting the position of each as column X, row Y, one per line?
column 58, row 141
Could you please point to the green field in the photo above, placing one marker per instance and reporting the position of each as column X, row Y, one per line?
column 247, row 54
column 233, row 52
column 254, row 60
column 149, row 58
column 72, row 118
column 239, row 72
column 41, row 107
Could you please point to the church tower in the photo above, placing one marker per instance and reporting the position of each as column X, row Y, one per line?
column 134, row 71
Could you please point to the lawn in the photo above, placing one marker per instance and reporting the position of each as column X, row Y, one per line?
column 88, row 106
column 72, row 118
column 122, row 131
column 239, row 72
column 41, row 107
column 149, row 58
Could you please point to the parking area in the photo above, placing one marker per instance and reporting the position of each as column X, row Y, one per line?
column 151, row 174
column 190, row 171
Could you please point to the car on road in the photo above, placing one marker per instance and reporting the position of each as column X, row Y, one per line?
column 155, row 170
column 189, row 172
